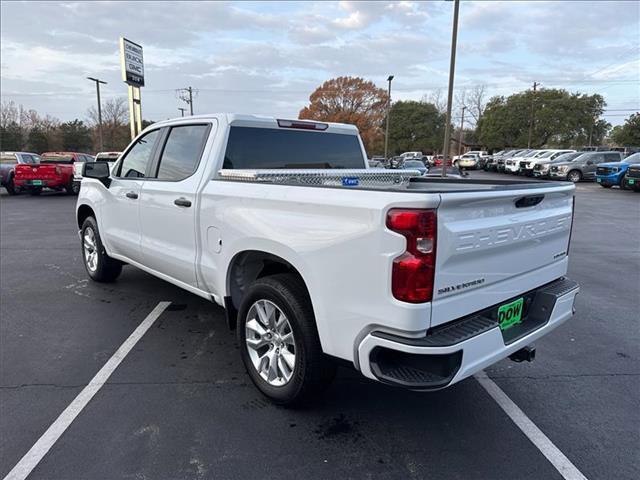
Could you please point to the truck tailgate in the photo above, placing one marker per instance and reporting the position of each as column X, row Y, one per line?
column 36, row 172
column 495, row 245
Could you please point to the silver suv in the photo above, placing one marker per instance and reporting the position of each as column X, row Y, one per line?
column 583, row 167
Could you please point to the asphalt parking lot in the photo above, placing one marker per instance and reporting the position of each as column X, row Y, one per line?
column 180, row 405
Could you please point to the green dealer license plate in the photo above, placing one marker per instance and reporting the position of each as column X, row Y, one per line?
column 510, row 314
column 36, row 182
column 632, row 181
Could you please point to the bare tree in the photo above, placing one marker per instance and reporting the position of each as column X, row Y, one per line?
column 438, row 99
column 8, row 113
column 115, row 116
column 477, row 101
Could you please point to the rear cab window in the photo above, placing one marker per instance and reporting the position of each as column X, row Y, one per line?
column 56, row 158
column 271, row 148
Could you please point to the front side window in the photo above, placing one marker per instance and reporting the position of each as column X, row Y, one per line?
column 270, row 148
column 182, row 152
column 611, row 157
column 134, row 164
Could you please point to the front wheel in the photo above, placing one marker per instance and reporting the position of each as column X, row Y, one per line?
column 279, row 341
column 100, row 266
column 574, row 176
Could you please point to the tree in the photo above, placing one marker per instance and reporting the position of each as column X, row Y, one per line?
column 75, row 136
column 415, row 126
column 627, row 134
column 115, row 124
column 561, row 119
column 11, row 137
column 38, row 141
column 350, row 100
column 437, row 99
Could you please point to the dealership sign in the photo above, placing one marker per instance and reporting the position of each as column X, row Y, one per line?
column 132, row 63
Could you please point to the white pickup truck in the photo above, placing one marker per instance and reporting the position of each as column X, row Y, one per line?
column 416, row 282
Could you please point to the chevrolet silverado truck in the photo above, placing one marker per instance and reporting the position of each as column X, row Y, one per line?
column 55, row 172
column 613, row 173
column 414, row 281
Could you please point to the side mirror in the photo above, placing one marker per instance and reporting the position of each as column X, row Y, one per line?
column 98, row 170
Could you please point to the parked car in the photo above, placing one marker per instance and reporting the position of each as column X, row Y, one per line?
column 542, row 166
column 583, row 167
column 415, row 165
column 438, row 161
column 512, row 163
column 610, row 174
column 412, row 156
column 55, row 171
column 313, row 265
column 375, row 164
column 527, row 166
column 110, row 157
column 468, row 161
column 632, row 177
column 8, row 163
column 523, row 160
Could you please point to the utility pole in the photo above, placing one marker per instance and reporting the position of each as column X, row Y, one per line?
column 186, row 95
column 386, row 135
column 452, row 69
column 461, row 132
column 98, row 82
column 182, row 110
column 532, row 115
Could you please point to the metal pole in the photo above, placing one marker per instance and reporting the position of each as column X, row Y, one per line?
column 452, row 69
column 182, row 110
column 98, row 82
column 531, row 117
column 191, row 101
column 386, row 135
column 461, row 132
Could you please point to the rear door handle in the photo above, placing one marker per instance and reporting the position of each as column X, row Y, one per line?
column 182, row 202
column 133, row 195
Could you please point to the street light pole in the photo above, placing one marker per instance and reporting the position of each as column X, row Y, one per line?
column 452, row 69
column 386, row 135
column 98, row 82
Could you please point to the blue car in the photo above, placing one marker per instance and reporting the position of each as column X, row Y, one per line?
column 610, row 174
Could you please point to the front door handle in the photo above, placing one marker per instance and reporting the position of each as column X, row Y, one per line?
column 133, row 195
column 182, row 202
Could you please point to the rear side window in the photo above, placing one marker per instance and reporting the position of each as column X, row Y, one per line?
column 182, row 152
column 612, row 157
column 134, row 164
column 269, row 148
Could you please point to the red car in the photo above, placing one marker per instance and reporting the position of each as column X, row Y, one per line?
column 55, row 171
column 437, row 161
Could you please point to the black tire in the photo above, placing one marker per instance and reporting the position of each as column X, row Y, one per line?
column 605, row 186
column 73, row 188
column 624, row 185
column 574, row 176
column 106, row 269
column 312, row 371
column 35, row 191
column 11, row 187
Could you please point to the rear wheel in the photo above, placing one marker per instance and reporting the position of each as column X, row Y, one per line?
column 11, row 187
column 279, row 341
column 574, row 176
column 100, row 266
column 73, row 188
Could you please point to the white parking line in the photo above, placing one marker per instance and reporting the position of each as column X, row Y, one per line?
column 26, row 465
column 567, row 469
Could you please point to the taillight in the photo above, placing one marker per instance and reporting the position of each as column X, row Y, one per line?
column 413, row 271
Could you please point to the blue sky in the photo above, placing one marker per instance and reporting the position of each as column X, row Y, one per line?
column 267, row 57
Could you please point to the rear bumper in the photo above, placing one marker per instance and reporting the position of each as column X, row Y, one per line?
column 461, row 348
column 49, row 183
